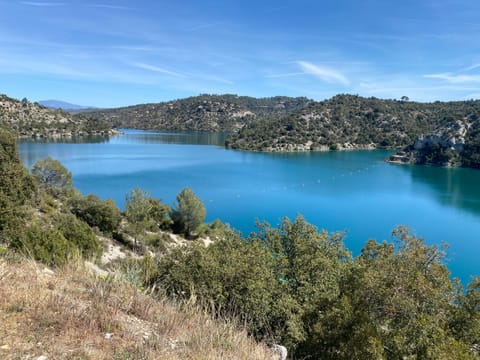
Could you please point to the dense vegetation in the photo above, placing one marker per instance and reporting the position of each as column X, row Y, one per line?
column 301, row 286
column 349, row 122
column 33, row 120
column 204, row 112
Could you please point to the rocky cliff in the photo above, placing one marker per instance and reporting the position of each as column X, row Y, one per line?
column 453, row 144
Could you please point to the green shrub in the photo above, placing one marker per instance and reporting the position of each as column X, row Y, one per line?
column 102, row 214
column 44, row 244
column 80, row 235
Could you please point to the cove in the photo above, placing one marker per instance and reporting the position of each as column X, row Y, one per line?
column 351, row 191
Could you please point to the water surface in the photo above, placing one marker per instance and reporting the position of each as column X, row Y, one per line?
column 354, row 191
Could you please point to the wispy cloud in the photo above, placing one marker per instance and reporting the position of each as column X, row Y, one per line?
column 157, row 69
column 285, row 75
column 473, row 67
column 454, row 78
column 323, row 72
column 107, row 6
column 42, row 4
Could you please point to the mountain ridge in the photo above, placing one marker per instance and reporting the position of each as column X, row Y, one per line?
column 60, row 104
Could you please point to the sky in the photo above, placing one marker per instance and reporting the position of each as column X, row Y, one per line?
column 107, row 53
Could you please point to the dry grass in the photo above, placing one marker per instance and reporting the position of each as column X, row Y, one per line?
column 65, row 314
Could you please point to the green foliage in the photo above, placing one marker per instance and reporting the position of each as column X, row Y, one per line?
column 44, row 244
column 301, row 287
column 465, row 323
column 138, row 211
column 354, row 120
column 188, row 212
column 97, row 213
column 470, row 155
column 52, row 177
column 160, row 214
column 233, row 276
column 397, row 300
column 16, row 186
column 80, row 235
column 277, row 281
column 204, row 112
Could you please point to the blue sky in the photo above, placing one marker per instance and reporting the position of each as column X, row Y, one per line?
column 111, row 53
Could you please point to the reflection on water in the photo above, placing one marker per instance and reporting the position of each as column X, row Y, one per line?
column 86, row 139
column 177, row 137
column 458, row 188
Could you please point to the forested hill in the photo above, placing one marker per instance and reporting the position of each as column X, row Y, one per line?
column 204, row 112
column 29, row 119
column 456, row 143
column 351, row 122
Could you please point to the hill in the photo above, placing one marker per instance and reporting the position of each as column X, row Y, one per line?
column 34, row 120
column 204, row 112
column 350, row 122
column 456, row 143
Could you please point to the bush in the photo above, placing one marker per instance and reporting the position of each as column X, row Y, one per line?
column 95, row 212
column 80, row 235
column 233, row 276
column 44, row 244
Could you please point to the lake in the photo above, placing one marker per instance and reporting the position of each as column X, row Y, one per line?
column 353, row 191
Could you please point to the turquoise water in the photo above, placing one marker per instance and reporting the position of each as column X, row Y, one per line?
column 353, row 191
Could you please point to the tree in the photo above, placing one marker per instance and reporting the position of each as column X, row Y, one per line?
column 159, row 213
column 52, row 176
column 138, row 209
column 188, row 212
column 95, row 212
column 402, row 294
column 16, row 186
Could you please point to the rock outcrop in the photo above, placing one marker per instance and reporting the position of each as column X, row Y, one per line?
column 443, row 147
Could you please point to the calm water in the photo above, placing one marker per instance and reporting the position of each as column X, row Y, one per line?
column 353, row 191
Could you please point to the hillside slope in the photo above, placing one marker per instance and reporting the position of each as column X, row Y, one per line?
column 351, row 122
column 69, row 313
column 456, row 143
column 204, row 112
column 34, row 120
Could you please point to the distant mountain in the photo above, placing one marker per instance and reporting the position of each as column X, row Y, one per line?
column 204, row 112
column 58, row 104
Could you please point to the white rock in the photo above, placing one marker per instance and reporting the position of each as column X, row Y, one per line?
column 280, row 351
